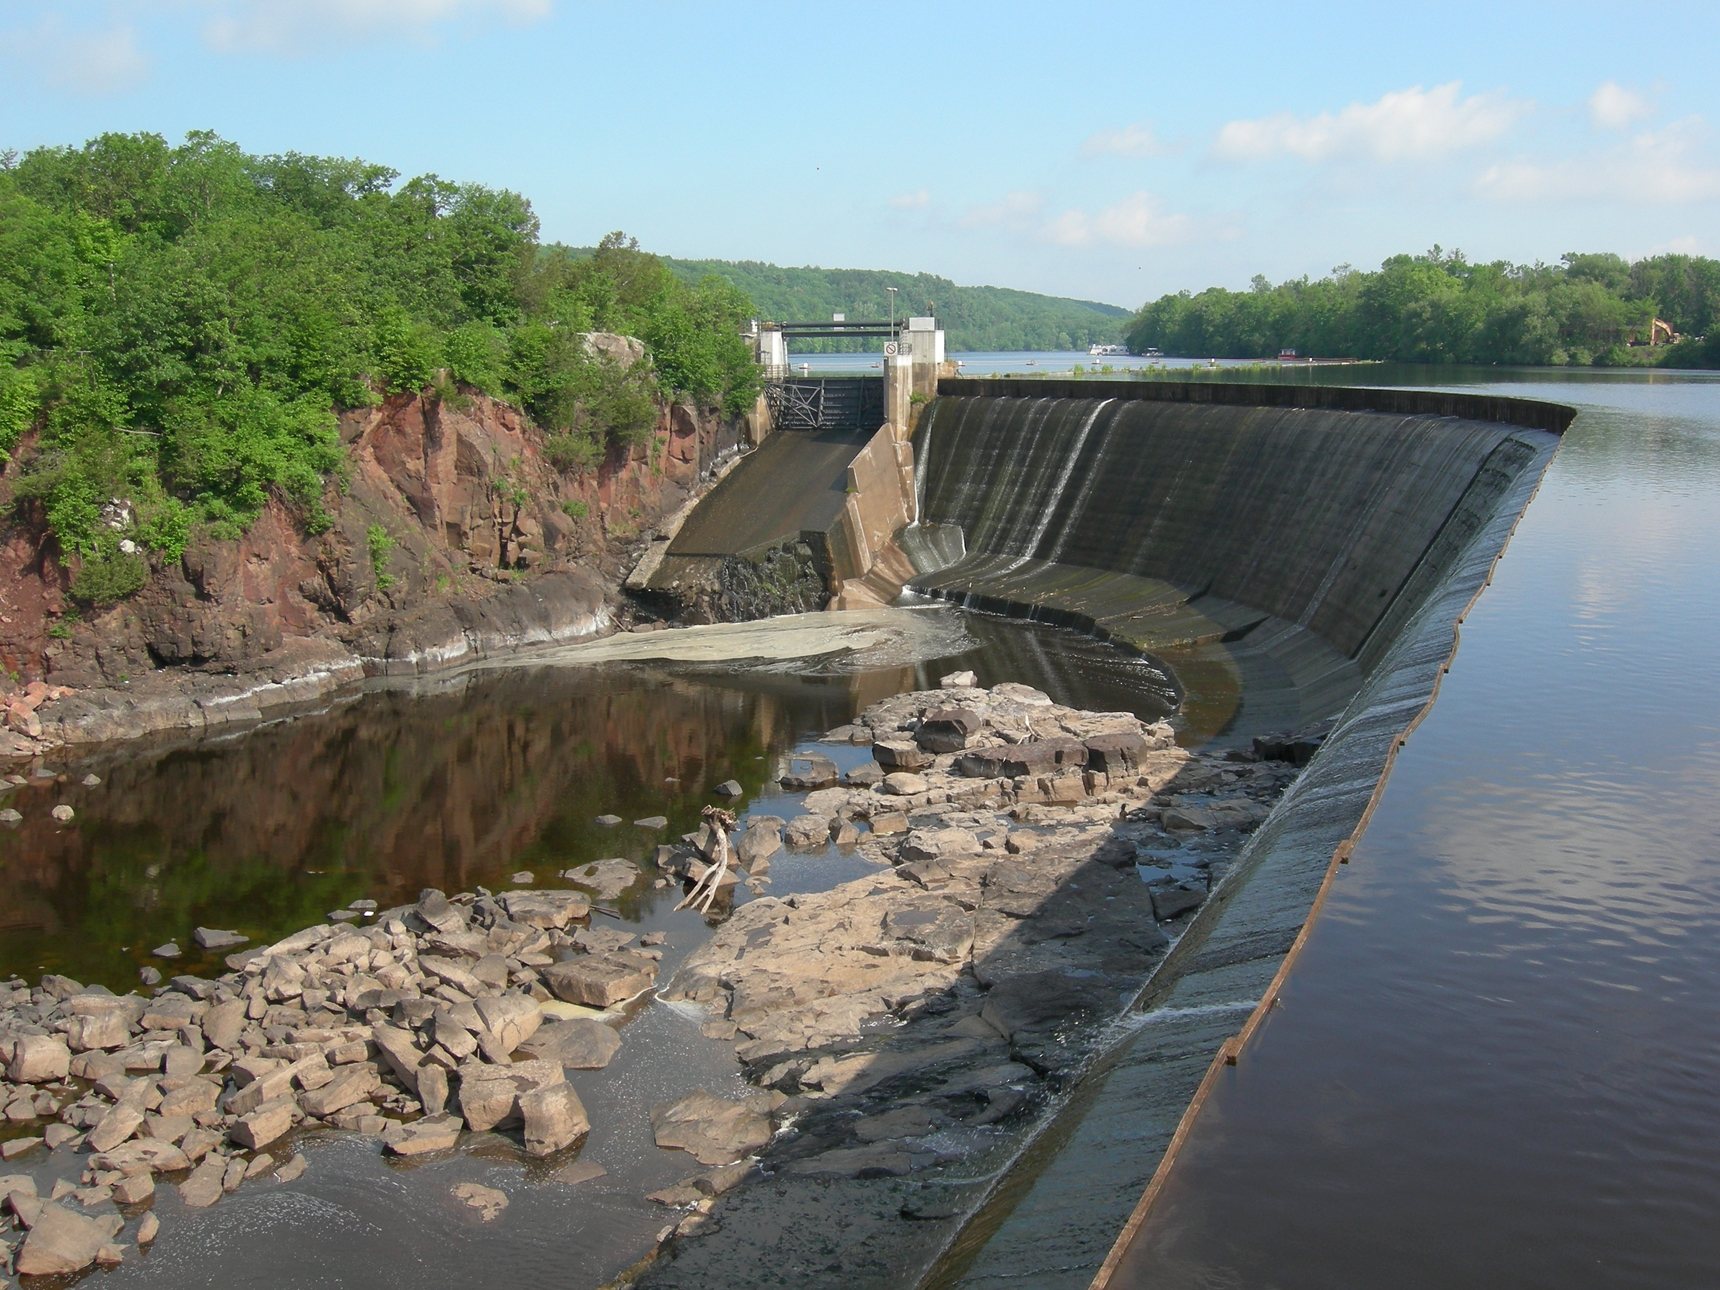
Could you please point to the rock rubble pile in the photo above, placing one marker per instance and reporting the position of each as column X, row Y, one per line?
column 438, row 1018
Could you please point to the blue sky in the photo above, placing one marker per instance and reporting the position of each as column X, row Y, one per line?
column 1111, row 151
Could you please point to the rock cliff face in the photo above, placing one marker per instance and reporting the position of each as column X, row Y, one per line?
column 452, row 536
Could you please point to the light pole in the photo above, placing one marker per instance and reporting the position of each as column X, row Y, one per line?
column 892, row 292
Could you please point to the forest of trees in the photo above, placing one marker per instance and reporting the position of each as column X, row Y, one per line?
column 179, row 326
column 1440, row 308
column 974, row 318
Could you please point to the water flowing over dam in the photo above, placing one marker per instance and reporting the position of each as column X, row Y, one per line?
column 1272, row 553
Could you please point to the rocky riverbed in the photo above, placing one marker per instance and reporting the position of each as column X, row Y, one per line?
column 902, row 1032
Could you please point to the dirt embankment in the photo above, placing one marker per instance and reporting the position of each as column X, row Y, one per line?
column 452, row 537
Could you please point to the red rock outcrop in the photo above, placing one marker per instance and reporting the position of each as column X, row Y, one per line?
column 487, row 545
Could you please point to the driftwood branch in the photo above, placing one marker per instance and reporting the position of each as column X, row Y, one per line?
column 705, row 889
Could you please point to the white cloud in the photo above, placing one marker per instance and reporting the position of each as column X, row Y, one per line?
column 1403, row 125
column 1654, row 168
column 1138, row 220
column 1613, row 107
column 913, row 201
column 1017, row 210
column 1130, row 141
column 93, row 63
column 304, row 26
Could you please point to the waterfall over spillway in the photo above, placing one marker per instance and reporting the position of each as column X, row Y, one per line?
column 1300, row 538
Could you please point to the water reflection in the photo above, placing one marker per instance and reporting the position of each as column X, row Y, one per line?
column 454, row 784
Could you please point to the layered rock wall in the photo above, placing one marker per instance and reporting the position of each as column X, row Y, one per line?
column 451, row 536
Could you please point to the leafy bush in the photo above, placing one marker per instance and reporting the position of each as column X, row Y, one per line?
column 108, row 574
column 573, row 450
column 381, row 546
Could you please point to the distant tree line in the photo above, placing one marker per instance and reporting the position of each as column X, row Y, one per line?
column 180, row 325
column 973, row 318
column 1440, row 308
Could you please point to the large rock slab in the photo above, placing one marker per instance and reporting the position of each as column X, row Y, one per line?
column 599, row 982
column 711, row 1129
column 578, row 1044
column 422, row 1137
column 550, row 910
column 1032, row 757
column 61, row 1242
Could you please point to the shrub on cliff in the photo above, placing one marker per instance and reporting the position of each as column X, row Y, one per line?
column 182, row 323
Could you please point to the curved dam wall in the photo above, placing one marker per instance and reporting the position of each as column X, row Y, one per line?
column 1454, row 485
column 1269, row 542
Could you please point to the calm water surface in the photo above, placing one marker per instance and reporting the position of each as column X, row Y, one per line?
column 1496, row 1062
column 458, row 782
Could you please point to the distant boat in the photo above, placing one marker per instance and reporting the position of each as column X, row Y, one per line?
column 1287, row 356
column 1107, row 351
column 1152, row 352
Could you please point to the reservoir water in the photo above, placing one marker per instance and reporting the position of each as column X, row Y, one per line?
column 1495, row 1061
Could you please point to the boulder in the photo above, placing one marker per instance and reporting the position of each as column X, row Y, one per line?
column 808, row 771
column 265, row 1124
column 102, row 1031
column 1173, row 899
column 435, row 910
column 489, row 1095
column 134, row 1189
column 510, row 1018
column 947, row 730
column 224, row 1023
column 599, row 982
column 203, row 1188
column 900, row 754
column 903, row 783
column 807, row 832
column 1117, row 752
column 487, row 1201
column 761, row 841
column 1032, row 757
column 39, row 1059
column 937, row 844
column 349, row 1086
column 61, row 1242
column 553, row 1118
column 118, row 1125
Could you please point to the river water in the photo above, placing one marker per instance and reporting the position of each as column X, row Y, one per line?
column 1495, row 1062
column 458, row 782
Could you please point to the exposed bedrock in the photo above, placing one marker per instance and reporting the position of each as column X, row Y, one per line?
column 452, row 538
column 1270, row 553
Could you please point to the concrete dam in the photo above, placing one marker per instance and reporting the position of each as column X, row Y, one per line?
column 1295, row 555
column 1270, row 552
